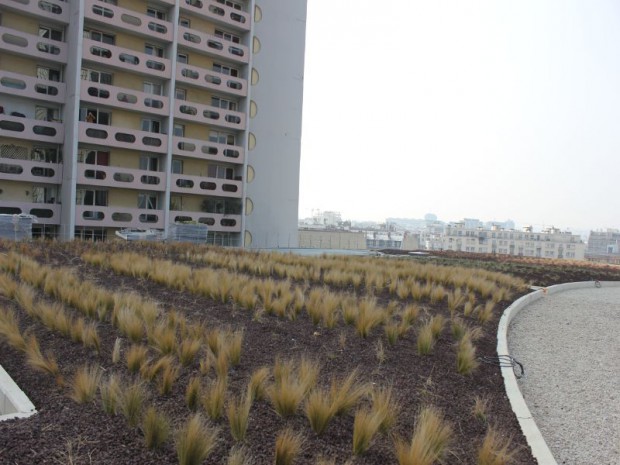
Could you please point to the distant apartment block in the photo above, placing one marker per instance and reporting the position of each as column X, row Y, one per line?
column 548, row 243
column 138, row 114
column 604, row 246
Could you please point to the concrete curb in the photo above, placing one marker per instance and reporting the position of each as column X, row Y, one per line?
column 13, row 402
column 537, row 443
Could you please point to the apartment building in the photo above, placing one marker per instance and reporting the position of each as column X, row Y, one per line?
column 122, row 114
column 548, row 243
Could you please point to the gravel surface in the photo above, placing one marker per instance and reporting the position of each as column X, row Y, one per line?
column 569, row 345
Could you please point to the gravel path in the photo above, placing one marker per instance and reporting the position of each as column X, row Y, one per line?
column 569, row 343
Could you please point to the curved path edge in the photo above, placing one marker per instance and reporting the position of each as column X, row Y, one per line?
column 540, row 450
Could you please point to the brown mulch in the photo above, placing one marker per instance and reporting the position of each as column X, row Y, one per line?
column 64, row 432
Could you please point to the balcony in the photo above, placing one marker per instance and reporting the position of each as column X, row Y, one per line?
column 30, row 45
column 115, row 17
column 212, row 45
column 112, row 136
column 216, row 12
column 51, row 10
column 30, row 171
column 215, row 221
column 200, row 185
column 46, row 213
column 32, row 87
column 126, row 59
column 118, row 177
column 31, row 129
column 207, row 114
column 128, row 99
column 205, row 150
column 207, row 79
column 118, row 217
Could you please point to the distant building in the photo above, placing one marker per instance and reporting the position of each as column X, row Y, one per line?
column 604, row 246
column 392, row 240
column 548, row 243
column 331, row 239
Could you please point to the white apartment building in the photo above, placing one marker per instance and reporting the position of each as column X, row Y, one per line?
column 138, row 114
column 548, row 243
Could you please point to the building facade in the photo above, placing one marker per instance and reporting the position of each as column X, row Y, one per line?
column 548, row 243
column 138, row 114
column 604, row 246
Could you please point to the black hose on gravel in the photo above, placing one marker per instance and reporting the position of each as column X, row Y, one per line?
column 505, row 361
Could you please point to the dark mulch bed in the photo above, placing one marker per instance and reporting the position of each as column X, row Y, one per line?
column 65, row 432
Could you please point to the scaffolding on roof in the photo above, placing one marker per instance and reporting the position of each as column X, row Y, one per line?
column 16, row 227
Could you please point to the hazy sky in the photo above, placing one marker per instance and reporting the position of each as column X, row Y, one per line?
column 488, row 109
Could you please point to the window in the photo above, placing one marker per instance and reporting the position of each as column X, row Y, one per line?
column 227, row 36
column 179, row 130
column 220, row 172
column 176, row 202
column 149, row 163
column 46, row 114
column 102, row 11
column 147, row 200
column 221, row 138
column 223, row 103
column 95, row 115
column 46, row 154
column 50, row 33
column 184, row 22
column 151, row 88
column 235, row 5
column 219, row 68
column 155, row 13
column 182, row 58
column 42, row 194
column 151, row 125
column 154, row 50
column 180, row 94
column 94, row 157
column 99, row 36
column 49, row 74
column 91, row 197
column 177, row 166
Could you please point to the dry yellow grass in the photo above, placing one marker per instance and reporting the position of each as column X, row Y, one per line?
column 429, row 442
column 495, row 450
column 85, row 384
column 288, row 445
column 195, row 440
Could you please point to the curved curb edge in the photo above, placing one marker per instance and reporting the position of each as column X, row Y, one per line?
column 540, row 450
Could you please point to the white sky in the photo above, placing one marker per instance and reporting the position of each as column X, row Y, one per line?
column 489, row 109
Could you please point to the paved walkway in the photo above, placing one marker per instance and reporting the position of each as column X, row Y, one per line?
column 569, row 343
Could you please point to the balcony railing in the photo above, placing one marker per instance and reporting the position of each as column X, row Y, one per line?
column 31, row 87
column 124, row 98
column 215, row 221
column 123, row 178
column 212, row 45
column 22, row 43
column 54, row 10
column 200, row 185
column 208, row 114
column 217, row 12
column 206, row 150
column 30, row 171
column 128, row 20
column 207, row 79
column 31, row 129
column 124, row 58
column 46, row 213
column 119, row 217
column 132, row 139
